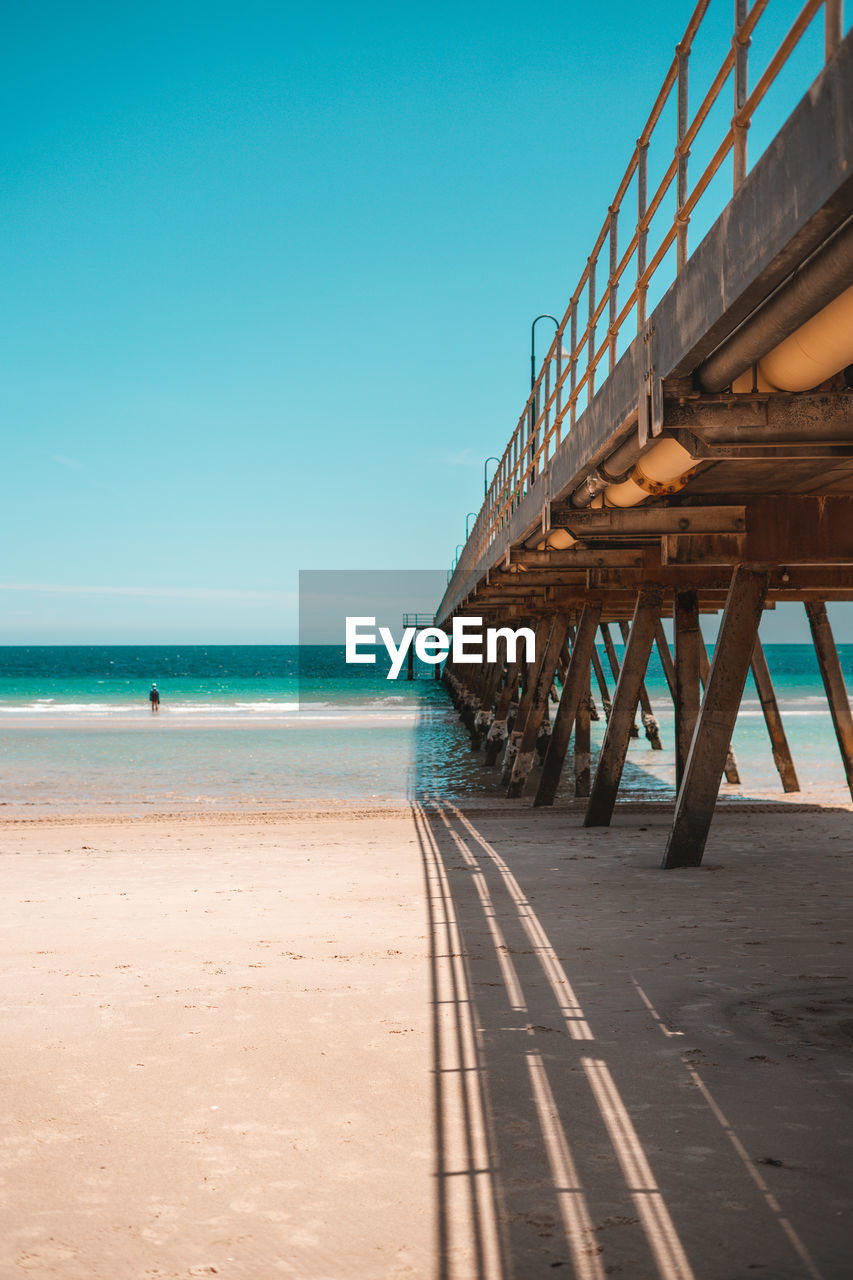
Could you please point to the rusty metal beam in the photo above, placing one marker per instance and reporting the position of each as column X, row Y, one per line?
column 786, row 578
column 617, row 588
column 788, row 531
column 760, row 417
column 713, row 577
column 582, row 558
column 608, row 522
column 764, row 451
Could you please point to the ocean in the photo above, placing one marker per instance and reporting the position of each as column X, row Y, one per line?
column 266, row 726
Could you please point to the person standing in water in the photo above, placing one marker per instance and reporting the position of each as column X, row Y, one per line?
column 154, row 698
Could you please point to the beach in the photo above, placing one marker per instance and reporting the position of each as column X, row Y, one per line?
column 426, row 1040
column 214, row 1049
column 331, row 614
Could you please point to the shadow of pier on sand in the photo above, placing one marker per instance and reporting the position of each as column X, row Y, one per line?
column 574, row 1131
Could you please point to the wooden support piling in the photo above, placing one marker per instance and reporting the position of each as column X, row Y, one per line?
column 543, row 631
column 833, row 683
column 526, row 741
column 574, row 687
column 669, row 672
column 469, row 695
column 490, row 685
column 590, row 701
column 566, row 655
column 650, row 721
column 491, row 681
column 448, row 677
column 496, row 737
column 697, row 796
column 688, row 640
column 479, row 720
column 601, row 682
column 613, row 659
column 615, row 746
column 782, row 757
column 583, row 743
column 731, row 770
column 665, row 659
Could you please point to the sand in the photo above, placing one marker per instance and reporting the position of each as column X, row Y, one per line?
column 426, row 1043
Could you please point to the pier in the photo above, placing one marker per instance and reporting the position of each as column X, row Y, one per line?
column 686, row 449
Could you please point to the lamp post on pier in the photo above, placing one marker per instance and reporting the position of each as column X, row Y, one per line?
column 486, row 473
column 467, row 518
column 545, row 316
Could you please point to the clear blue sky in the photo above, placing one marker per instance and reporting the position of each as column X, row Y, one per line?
column 268, row 275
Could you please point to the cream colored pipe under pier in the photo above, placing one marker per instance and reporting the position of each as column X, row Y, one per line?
column 814, row 352
column 821, row 347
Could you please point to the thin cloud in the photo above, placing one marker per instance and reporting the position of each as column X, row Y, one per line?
column 181, row 593
column 465, row 458
column 70, row 464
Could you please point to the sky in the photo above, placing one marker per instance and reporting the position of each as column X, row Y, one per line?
column 269, row 272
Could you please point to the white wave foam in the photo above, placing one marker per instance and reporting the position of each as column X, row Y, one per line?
column 818, row 713
column 213, row 714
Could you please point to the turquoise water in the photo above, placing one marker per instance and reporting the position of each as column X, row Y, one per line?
column 276, row 725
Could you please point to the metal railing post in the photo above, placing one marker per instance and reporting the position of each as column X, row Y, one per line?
column 642, row 233
column 573, row 346
column 739, row 127
column 590, row 374
column 833, row 26
column 612, row 285
column 546, row 425
column 682, row 154
column 558, row 402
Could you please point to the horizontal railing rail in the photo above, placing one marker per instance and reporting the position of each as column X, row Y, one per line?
column 566, row 380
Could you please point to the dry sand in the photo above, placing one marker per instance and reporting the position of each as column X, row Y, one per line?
column 221, row 1036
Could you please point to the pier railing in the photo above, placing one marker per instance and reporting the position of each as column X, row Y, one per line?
column 597, row 318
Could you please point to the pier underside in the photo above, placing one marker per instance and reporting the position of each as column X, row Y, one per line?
column 580, row 534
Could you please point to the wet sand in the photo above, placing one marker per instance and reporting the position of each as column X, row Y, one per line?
column 221, row 1037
